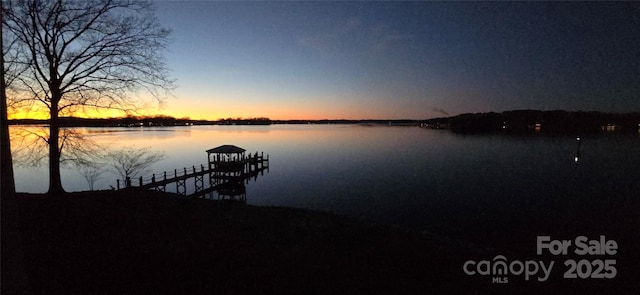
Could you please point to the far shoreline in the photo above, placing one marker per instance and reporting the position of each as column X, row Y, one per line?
column 507, row 122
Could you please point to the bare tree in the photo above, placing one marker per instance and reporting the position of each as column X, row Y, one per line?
column 91, row 171
column 129, row 162
column 85, row 56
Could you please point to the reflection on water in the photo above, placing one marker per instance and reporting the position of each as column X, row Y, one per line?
column 419, row 178
column 577, row 157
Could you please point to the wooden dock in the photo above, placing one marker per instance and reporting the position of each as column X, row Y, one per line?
column 226, row 175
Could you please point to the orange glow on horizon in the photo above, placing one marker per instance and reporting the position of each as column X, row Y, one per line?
column 201, row 114
column 238, row 108
column 243, row 103
column 215, row 109
column 93, row 114
column 42, row 115
column 27, row 114
column 196, row 115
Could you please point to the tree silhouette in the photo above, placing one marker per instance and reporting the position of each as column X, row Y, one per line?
column 128, row 162
column 91, row 172
column 13, row 275
column 7, row 183
column 86, row 56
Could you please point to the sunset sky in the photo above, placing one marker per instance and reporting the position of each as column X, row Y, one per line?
column 393, row 60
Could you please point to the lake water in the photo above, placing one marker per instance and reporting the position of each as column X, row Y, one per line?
column 465, row 187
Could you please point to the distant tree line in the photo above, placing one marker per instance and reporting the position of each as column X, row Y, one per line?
column 241, row 121
column 407, row 122
column 163, row 120
column 140, row 121
column 531, row 121
column 128, row 121
column 518, row 121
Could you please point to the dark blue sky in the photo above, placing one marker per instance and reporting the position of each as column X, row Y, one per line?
column 356, row 60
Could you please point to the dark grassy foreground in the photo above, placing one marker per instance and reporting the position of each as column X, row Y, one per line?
column 156, row 243
column 147, row 242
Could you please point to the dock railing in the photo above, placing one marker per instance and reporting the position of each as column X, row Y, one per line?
column 242, row 169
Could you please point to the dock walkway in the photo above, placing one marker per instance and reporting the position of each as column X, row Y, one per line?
column 222, row 173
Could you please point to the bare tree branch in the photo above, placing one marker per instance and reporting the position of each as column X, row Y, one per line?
column 129, row 162
column 91, row 172
column 80, row 56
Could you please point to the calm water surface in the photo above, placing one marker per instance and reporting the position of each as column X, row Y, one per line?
column 427, row 180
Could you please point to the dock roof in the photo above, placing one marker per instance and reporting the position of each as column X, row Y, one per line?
column 226, row 149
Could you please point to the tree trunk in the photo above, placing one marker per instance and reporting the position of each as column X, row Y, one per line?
column 55, row 181
column 13, row 275
column 7, row 183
